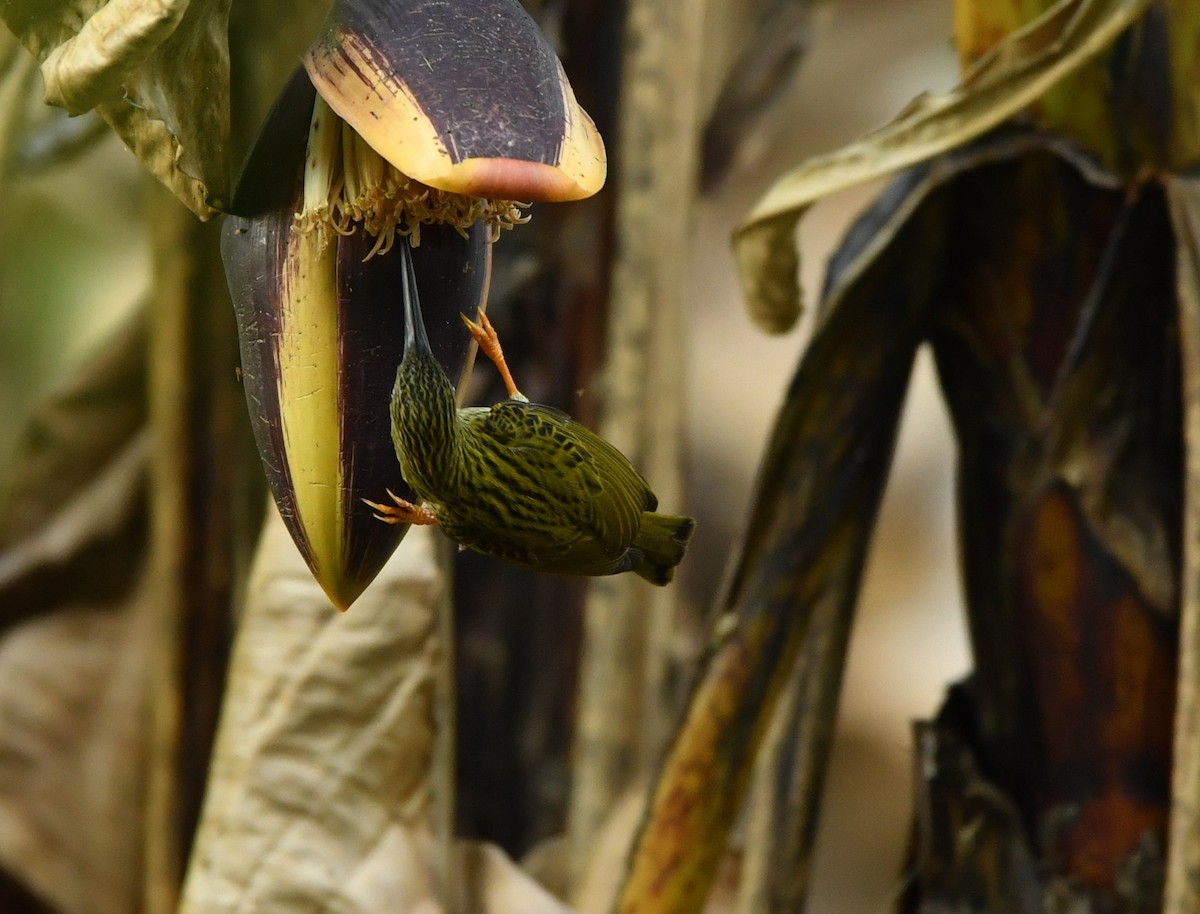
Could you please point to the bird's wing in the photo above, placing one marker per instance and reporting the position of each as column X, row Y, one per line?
column 578, row 468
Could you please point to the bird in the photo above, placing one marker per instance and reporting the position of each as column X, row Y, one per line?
column 518, row 480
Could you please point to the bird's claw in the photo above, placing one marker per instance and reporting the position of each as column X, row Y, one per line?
column 402, row 512
column 382, row 512
column 489, row 344
column 482, row 330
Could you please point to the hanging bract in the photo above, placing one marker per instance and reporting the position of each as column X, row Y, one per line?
column 465, row 96
column 336, row 174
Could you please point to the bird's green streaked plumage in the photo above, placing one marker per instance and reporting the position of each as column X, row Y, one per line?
column 522, row 481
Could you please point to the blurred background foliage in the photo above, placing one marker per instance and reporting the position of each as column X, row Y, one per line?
column 589, row 299
column 75, row 259
column 865, row 62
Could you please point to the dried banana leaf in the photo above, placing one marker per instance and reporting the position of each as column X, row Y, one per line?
column 320, row 780
column 793, row 590
column 156, row 70
column 1017, row 71
column 1058, row 352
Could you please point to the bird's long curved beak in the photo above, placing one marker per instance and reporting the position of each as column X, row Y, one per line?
column 415, row 339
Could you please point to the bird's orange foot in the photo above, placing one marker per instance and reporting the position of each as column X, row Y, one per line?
column 402, row 512
column 489, row 345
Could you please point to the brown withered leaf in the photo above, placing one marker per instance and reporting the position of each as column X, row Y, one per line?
column 1013, row 74
column 965, row 824
column 597, row 887
column 74, row 645
column 1052, row 324
column 156, row 70
column 1047, row 321
column 798, row 575
column 1057, row 349
column 789, row 604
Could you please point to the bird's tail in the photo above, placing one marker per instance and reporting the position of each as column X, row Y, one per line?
column 662, row 541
